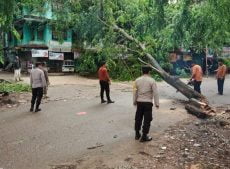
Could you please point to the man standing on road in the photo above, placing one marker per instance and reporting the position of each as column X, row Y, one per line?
column 145, row 90
column 220, row 76
column 17, row 69
column 104, row 83
column 197, row 75
column 38, row 82
column 45, row 70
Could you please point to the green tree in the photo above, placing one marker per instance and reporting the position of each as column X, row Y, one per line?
column 159, row 25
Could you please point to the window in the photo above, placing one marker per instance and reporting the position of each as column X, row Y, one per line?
column 65, row 35
column 40, row 34
column 55, row 35
column 37, row 34
column 57, row 5
column 20, row 32
column 33, row 32
column 62, row 35
column 10, row 37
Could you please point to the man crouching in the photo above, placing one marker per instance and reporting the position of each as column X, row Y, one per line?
column 145, row 89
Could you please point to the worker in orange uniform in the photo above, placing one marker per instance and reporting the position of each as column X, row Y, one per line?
column 105, row 81
column 197, row 75
column 220, row 76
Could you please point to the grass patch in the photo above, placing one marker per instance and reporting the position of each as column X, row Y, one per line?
column 14, row 87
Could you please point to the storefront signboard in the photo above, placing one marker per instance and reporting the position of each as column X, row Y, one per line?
column 39, row 53
column 56, row 56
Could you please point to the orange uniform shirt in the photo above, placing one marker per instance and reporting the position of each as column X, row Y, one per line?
column 197, row 73
column 221, row 72
column 103, row 74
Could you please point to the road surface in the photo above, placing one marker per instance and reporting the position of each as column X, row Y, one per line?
column 61, row 132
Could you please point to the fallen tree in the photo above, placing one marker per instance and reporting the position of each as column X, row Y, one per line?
column 172, row 80
column 196, row 100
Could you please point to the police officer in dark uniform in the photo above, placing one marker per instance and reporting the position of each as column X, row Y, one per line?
column 145, row 90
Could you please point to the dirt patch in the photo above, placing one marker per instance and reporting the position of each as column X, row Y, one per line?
column 14, row 99
column 191, row 144
column 64, row 166
column 201, row 144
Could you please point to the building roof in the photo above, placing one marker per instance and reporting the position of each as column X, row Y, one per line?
column 33, row 46
column 30, row 18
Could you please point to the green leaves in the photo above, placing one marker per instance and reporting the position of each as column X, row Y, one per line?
column 14, row 87
column 6, row 13
column 16, row 34
column 160, row 25
column 201, row 24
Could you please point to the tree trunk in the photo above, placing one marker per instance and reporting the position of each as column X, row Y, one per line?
column 183, row 88
column 198, row 104
column 196, row 111
column 199, row 109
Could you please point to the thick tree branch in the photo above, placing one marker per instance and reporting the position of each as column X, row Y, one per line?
column 147, row 64
column 173, row 81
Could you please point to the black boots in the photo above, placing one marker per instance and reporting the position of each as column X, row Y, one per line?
column 138, row 135
column 36, row 110
column 110, row 101
column 32, row 107
column 103, row 101
column 145, row 138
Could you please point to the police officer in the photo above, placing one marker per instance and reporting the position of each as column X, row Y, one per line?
column 145, row 90
column 38, row 82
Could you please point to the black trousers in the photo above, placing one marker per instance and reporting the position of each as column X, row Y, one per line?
column 220, row 84
column 37, row 94
column 144, row 110
column 105, row 88
column 197, row 86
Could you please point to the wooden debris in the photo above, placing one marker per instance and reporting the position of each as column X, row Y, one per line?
column 96, row 146
column 196, row 166
column 197, row 103
column 64, row 166
column 199, row 108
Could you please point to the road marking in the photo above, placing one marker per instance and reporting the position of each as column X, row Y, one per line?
column 81, row 113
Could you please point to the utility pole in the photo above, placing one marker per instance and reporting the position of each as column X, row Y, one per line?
column 206, row 60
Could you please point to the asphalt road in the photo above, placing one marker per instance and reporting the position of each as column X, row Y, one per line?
column 59, row 133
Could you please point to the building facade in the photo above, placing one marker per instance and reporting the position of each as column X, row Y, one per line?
column 182, row 60
column 39, row 41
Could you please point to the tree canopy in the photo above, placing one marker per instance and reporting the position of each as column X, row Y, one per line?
column 162, row 25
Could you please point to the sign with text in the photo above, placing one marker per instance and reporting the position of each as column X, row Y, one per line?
column 39, row 53
column 56, row 56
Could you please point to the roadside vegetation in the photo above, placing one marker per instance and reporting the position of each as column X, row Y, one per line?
column 6, row 87
column 227, row 63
